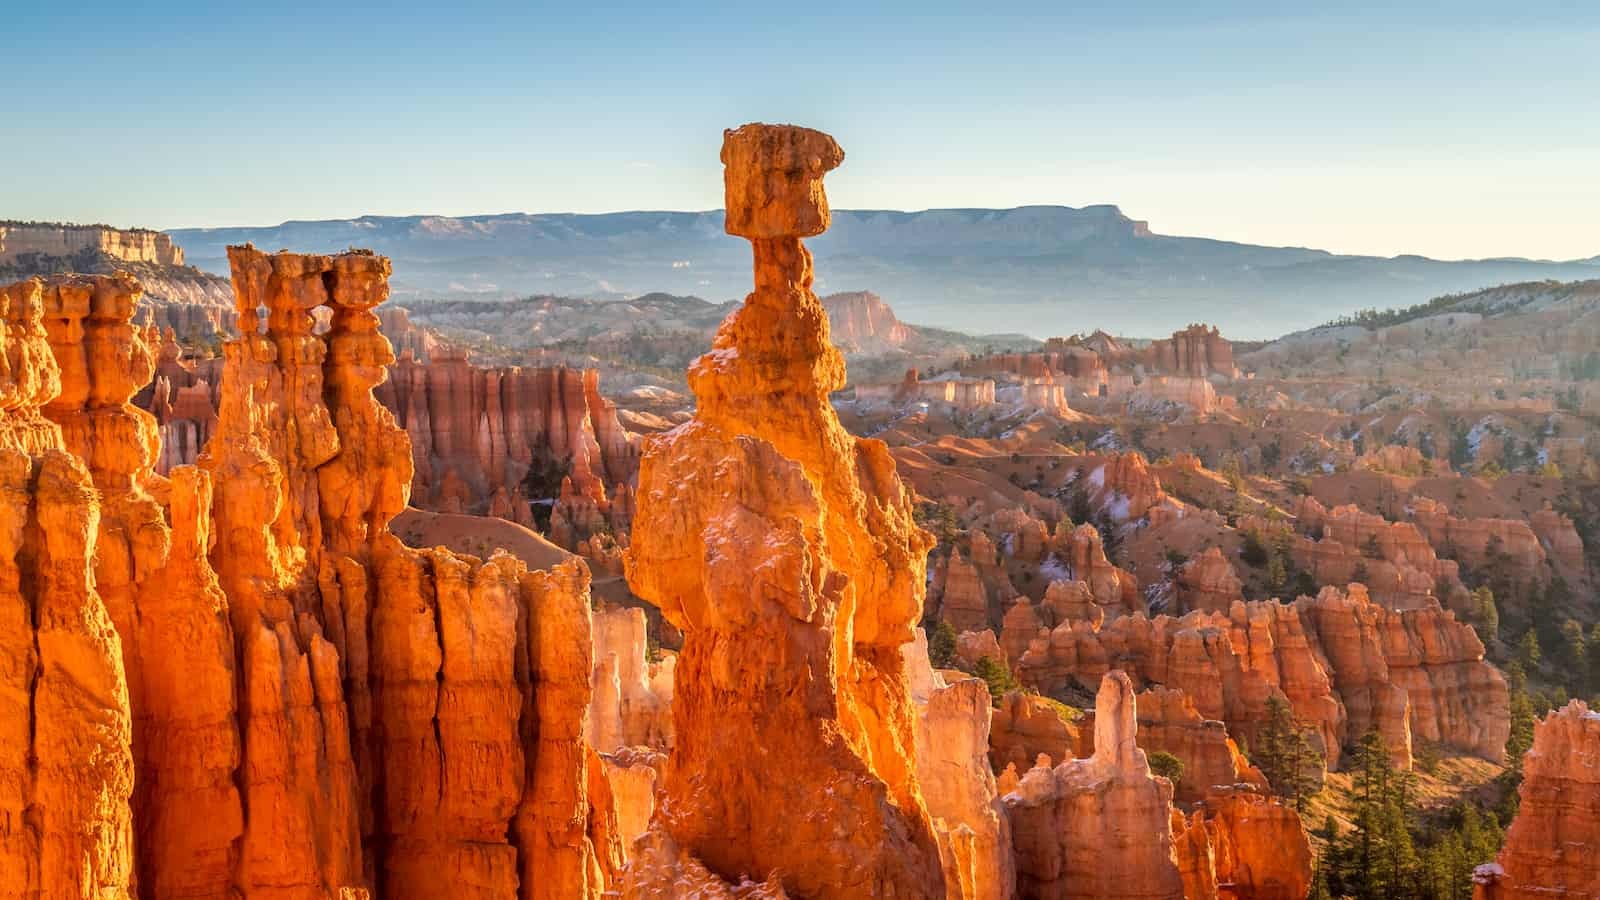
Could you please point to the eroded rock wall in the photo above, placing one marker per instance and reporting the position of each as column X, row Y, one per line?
column 1344, row 664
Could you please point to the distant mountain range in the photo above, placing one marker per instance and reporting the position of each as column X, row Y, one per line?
column 1038, row 270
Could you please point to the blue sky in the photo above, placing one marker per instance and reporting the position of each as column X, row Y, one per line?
column 1455, row 130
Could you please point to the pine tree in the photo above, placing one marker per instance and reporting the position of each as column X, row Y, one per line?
column 1277, row 575
column 942, row 645
column 1319, row 885
column 1529, row 653
column 1287, row 755
column 1594, row 660
column 1379, row 858
column 1576, row 652
column 996, row 676
column 1522, row 718
column 1486, row 616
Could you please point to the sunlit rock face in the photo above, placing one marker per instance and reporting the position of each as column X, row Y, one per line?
column 235, row 681
column 784, row 550
column 1240, row 843
column 953, row 722
column 1554, row 841
column 1344, row 665
column 66, row 762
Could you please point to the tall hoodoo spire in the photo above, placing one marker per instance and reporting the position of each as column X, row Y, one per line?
column 785, row 550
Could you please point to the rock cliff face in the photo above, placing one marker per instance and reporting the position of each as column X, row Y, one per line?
column 1413, row 675
column 631, row 705
column 1169, row 721
column 66, row 765
column 1196, row 351
column 484, row 440
column 422, row 665
column 1553, row 842
column 1208, row 582
column 492, row 440
column 1394, row 560
column 1097, row 827
column 1344, row 665
column 300, row 706
column 1027, row 725
column 784, row 550
column 128, row 245
column 1229, row 664
column 860, row 322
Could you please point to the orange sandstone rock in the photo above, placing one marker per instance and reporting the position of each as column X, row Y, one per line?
column 151, row 570
column 1026, row 726
column 953, row 740
column 631, row 704
column 307, row 708
column 1168, row 721
column 1208, row 582
column 1553, row 842
column 413, row 720
column 66, row 765
column 1240, row 843
column 1097, row 827
column 784, row 550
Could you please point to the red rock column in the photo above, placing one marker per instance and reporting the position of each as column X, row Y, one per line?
column 398, row 736
column 785, row 551
column 1552, row 845
column 158, row 588
column 66, row 767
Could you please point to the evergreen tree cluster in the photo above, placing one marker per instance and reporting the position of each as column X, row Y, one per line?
column 1390, row 853
column 1288, row 754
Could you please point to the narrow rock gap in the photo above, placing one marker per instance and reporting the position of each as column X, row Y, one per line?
column 431, row 586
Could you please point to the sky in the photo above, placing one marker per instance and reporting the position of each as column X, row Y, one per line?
column 1453, row 130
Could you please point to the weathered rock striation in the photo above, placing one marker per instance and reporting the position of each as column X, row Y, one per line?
column 1168, row 721
column 1553, row 842
column 127, row 244
column 631, row 703
column 66, row 764
column 494, row 440
column 1197, row 351
column 860, row 322
column 412, row 719
column 784, row 550
column 1239, row 843
column 1208, row 582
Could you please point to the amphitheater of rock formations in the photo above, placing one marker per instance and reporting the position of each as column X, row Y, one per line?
column 280, row 624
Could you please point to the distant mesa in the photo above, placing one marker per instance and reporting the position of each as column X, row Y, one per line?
column 139, row 245
column 1036, row 270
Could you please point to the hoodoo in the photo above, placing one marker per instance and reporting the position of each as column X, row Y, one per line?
column 66, row 769
column 1552, row 848
column 263, row 694
column 784, row 549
